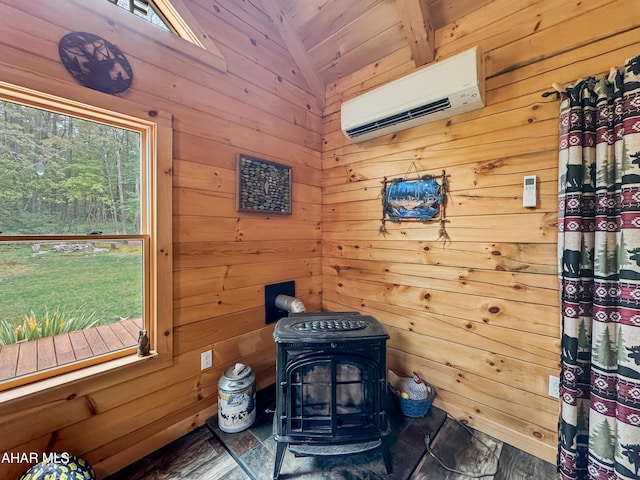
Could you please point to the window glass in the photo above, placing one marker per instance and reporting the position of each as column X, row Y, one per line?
column 49, row 288
column 144, row 9
column 61, row 175
column 73, row 237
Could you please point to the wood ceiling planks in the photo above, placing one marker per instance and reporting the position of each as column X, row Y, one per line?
column 331, row 39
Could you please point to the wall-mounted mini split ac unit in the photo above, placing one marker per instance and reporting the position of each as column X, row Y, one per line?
column 443, row 89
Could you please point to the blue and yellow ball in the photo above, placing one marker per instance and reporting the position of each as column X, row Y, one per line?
column 72, row 468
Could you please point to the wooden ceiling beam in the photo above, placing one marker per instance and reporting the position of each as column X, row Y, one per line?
column 296, row 49
column 418, row 29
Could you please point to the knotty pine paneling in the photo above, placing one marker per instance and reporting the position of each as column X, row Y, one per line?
column 477, row 312
column 353, row 38
column 222, row 259
column 469, row 256
column 477, row 315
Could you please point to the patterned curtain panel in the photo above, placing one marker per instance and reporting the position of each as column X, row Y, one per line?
column 599, row 269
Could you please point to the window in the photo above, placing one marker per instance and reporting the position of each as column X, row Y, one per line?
column 80, row 235
column 176, row 17
column 145, row 9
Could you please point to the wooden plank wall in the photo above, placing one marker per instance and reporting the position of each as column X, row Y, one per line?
column 477, row 315
column 222, row 259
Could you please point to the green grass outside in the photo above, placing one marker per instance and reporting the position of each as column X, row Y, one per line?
column 104, row 283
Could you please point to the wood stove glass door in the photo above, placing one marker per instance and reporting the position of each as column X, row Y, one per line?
column 332, row 395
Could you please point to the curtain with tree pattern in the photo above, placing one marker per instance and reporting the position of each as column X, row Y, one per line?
column 599, row 269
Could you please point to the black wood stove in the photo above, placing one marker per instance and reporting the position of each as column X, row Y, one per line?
column 330, row 385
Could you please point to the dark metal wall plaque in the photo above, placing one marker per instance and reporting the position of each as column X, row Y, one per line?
column 95, row 62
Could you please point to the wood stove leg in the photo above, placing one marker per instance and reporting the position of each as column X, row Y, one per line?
column 280, row 450
column 386, row 454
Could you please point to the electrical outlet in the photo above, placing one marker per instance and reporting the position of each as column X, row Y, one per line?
column 554, row 386
column 206, row 359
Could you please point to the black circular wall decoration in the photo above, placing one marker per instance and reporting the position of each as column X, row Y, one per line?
column 95, row 63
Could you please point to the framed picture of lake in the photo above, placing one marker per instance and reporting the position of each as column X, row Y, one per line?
column 419, row 199
column 263, row 186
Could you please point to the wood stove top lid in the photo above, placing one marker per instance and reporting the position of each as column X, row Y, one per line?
column 328, row 326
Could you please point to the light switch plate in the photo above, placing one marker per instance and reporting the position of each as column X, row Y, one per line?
column 554, row 386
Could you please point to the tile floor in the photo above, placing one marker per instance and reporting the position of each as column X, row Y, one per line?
column 209, row 454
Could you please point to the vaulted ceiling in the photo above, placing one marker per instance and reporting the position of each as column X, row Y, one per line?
column 330, row 39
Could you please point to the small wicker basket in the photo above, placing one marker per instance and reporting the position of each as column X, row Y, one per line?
column 408, row 407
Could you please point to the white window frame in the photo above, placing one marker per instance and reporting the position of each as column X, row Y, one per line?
column 156, row 150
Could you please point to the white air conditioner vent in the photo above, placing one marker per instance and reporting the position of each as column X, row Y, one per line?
column 443, row 89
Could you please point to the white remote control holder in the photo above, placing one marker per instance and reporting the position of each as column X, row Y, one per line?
column 529, row 188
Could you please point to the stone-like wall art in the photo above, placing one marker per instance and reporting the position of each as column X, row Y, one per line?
column 263, row 186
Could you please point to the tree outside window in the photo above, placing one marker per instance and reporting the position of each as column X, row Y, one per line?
column 73, row 203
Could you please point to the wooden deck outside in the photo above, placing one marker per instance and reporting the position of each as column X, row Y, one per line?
column 33, row 356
